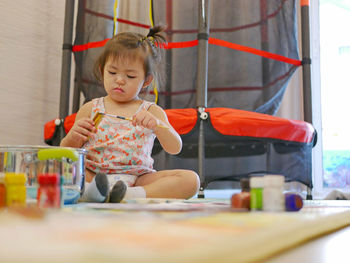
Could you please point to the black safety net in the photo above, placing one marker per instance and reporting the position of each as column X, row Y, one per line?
column 253, row 52
column 236, row 78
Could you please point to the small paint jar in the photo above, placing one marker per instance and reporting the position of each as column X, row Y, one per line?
column 15, row 189
column 256, row 193
column 49, row 191
column 273, row 197
column 2, row 191
column 245, row 186
column 293, row 202
column 242, row 199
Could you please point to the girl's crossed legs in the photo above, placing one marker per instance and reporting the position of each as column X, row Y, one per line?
column 181, row 184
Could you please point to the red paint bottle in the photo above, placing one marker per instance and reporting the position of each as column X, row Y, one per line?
column 242, row 199
column 49, row 191
column 2, row 191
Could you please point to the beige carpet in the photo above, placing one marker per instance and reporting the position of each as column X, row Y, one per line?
column 162, row 231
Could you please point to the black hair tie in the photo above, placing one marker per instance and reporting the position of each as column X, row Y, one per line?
column 151, row 32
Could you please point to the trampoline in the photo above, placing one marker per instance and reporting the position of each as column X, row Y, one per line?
column 224, row 138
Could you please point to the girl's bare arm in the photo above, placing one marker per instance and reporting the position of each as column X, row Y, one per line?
column 155, row 118
column 83, row 128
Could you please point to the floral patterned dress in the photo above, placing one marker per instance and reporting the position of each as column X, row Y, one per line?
column 118, row 147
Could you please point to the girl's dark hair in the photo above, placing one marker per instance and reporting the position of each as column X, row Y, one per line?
column 135, row 46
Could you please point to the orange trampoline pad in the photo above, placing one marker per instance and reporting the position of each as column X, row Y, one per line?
column 242, row 123
column 227, row 121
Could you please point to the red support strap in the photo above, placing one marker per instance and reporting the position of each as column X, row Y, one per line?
column 133, row 23
column 258, row 52
column 184, row 44
column 124, row 21
column 77, row 48
column 192, row 43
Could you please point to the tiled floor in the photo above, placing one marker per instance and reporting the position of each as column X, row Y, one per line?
column 220, row 193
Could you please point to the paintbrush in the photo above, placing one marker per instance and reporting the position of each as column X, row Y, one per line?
column 99, row 115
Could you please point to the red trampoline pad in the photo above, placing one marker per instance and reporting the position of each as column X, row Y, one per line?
column 227, row 121
column 235, row 122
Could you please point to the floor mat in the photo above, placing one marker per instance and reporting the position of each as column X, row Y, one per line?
column 123, row 233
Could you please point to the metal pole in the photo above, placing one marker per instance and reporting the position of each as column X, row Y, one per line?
column 202, row 58
column 169, row 54
column 264, row 46
column 66, row 59
column 202, row 85
column 306, row 52
column 305, row 25
column 79, row 39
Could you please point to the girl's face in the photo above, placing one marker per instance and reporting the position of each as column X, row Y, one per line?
column 124, row 78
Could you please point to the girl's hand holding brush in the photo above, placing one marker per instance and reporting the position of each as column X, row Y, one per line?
column 142, row 118
column 146, row 119
column 82, row 130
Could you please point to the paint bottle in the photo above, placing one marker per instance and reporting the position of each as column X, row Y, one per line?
column 256, row 193
column 245, row 186
column 15, row 189
column 273, row 197
column 293, row 201
column 49, row 191
column 2, row 191
column 242, row 199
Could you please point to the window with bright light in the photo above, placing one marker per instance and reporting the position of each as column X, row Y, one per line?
column 335, row 91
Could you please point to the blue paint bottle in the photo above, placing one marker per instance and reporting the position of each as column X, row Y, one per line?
column 293, row 202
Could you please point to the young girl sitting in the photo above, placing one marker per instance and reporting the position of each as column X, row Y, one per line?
column 119, row 163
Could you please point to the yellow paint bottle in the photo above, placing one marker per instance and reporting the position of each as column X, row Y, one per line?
column 15, row 189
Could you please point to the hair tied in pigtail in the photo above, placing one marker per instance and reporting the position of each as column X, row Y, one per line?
column 142, row 39
column 153, row 36
column 149, row 36
column 152, row 32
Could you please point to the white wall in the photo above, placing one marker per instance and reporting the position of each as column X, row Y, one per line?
column 31, row 36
